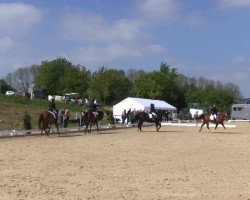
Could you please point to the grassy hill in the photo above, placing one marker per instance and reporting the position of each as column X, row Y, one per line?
column 14, row 108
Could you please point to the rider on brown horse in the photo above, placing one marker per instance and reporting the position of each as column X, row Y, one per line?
column 214, row 112
column 92, row 106
column 52, row 107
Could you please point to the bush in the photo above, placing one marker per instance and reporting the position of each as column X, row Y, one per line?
column 27, row 122
column 109, row 119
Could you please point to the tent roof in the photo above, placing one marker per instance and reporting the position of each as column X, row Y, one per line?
column 146, row 103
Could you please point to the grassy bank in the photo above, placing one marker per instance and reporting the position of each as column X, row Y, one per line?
column 14, row 108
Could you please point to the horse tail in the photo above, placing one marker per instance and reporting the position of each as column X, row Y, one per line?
column 40, row 120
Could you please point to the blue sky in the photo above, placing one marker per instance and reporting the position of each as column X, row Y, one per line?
column 208, row 38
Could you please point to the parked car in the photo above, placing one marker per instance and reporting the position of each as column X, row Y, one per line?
column 9, row 93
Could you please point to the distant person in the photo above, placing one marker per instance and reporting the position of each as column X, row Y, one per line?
column 196, row 115
column 128, row 115
column 82, row 118
column 61, row 113
column 66, row 118
column 124, row 115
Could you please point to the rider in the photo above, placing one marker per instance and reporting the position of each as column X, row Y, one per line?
column 214, row 112
column 92, row 106
column 152, row 110
column 52, row 107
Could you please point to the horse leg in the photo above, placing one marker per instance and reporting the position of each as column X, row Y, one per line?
column 42, row 128
column 216, row 125
column 90, row 126
column 202, row 126
column 86, row 127
column 158, row 126
column 57, row 128
column 97, row 129
column 48, row 132
column 208, row 127
column 139, row 125
column 223, row 125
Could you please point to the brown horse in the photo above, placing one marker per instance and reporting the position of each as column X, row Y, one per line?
column 46, row 119
column 206, row 120
column 91, row 119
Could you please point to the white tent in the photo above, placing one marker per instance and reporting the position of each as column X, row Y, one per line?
column 141, row 104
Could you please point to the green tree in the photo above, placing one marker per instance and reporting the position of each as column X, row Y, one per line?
column 60, row 76
column 76, row 79
column 162, row 85
column 149, row 86
column 219, row 96
column 133, row 74
column 51, row 75
column 109, row 85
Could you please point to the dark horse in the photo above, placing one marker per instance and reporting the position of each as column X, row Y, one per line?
column 143, row 116
column 206, row 120
column 46, row 119
column 90, row 119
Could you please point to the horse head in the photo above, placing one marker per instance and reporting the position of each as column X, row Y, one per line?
column 222, row 115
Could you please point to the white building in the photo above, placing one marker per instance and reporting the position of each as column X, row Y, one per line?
column 240, row 111
column 142, row 104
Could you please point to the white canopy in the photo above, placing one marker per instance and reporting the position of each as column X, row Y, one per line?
column 139, row 104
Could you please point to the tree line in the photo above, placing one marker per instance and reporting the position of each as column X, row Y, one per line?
column 110, row 86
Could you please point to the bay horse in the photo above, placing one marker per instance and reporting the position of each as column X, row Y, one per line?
column 91, row 119
column 221, row 116
column 46, row 119
column 143, row 116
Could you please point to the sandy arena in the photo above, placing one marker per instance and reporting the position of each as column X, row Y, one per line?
column 176, row 163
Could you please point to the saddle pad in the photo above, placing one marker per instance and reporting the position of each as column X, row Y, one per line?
column 52, row 114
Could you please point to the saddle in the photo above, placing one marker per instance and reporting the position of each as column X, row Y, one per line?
column 95, row 113
column 151, row 115
column 53, row 112
column 213, row 118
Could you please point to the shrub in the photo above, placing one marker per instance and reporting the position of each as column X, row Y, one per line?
column 27, row 122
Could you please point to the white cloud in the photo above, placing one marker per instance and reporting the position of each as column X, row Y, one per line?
column 105, row 54
column 91, row 27
column 16, row 17
column 158, row 9
column 6, row 43
column 113, row 52
column 234, row 3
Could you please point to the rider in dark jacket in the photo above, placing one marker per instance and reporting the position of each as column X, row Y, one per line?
column 92, row 106
column 214, row 112
column 52, row 107
column 152, row 110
